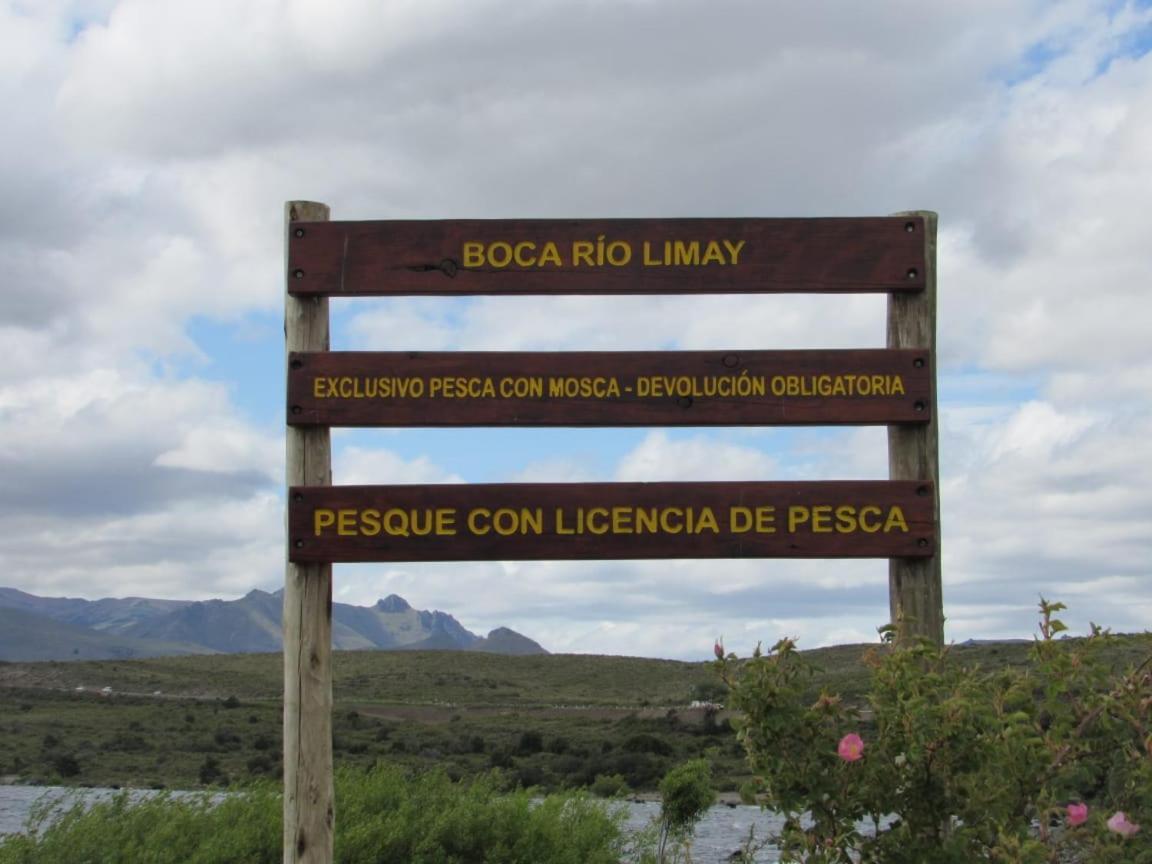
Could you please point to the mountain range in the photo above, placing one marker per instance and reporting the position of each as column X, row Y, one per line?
column 65, row 628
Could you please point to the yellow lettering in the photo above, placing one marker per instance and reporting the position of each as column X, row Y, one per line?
column 473, row 254
column 322, row 518
column 561, row 528
column 669, row 525
column 598, row 520
column 739, row 520
column 734, row 250
column 370, row 522
column 619, row 253
column 797, row 516
column 712, row 254
column 822, row 519
column 649, row 261
column 522, row 256
column 895, row 521
column 499, row 254
column 582, row 252
column 647, row 522
column 474, row 523
column 686, row 252
column 346, row 523
column 396, row 522
column 621, row 520
column 445, row 521
column 506, row 522
column 549, row 255
column 870, row 526
column 846, row 519
column 707, row 522
column 765, row 520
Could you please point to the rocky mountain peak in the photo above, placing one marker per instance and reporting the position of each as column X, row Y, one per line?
column 393, row 603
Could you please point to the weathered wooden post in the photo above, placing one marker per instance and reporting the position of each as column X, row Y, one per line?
column 309, row 797
column 915, row 592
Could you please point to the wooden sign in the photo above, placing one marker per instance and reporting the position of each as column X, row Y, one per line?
column 607, row 256
column 686, row 388
column 479, row 522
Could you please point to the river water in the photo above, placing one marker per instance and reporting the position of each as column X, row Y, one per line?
column 721, row 832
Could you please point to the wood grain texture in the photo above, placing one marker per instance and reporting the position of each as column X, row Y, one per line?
column 482, row 522
column 683, row 388
column 915, row 589
column 309, row 796
column 874, row 254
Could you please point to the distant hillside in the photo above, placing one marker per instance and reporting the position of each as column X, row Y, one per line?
column 28, row 636
column 59, row 628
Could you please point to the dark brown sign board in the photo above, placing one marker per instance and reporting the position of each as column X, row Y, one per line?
column 485, row 522
column 682, row 388
column 607, row 256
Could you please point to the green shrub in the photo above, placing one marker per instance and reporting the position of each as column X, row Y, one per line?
column 66, row 764
column 1045, row 763
column 685, row 795
column 530, row 742
column 160, row 830
column 645, row 742
column 609, row 786
column 383, row 815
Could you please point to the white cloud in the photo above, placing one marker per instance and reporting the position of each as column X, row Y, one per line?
column 659, row 457
column 357, row 466
column 149, row 149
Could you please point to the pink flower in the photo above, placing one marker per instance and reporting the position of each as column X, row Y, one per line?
column 1077, row 814
column 1119, row 823
column 851, row 747
column 718, row 649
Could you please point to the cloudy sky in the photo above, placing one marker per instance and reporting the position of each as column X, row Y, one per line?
column 150, row 145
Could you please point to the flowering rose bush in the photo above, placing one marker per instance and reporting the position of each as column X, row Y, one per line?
column 1077, row 814
column 1051, row 762
column 851, row 747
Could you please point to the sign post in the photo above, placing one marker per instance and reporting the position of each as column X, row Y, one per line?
column 897, row 518
column 309, row 798
column 915, row 586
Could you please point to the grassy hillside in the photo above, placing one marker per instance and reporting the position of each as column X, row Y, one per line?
column 550, row 721
column 423, row 677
